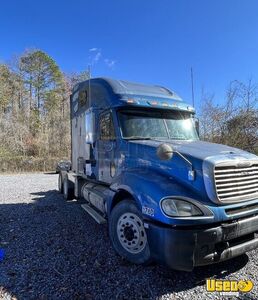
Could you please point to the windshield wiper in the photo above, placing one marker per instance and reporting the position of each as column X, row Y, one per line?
column 178, row 138
column 138, row 138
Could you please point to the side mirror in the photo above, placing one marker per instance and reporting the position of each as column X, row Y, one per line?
column 89, row 127
column 165, row 152
column 197, row 125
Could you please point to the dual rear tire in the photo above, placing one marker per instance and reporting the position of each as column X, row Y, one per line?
column 65, row 186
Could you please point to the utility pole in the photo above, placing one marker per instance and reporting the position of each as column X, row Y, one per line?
column 192, row 86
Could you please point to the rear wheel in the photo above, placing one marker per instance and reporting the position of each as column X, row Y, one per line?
column 68, row 188
column 128, row 234
column 60, row 183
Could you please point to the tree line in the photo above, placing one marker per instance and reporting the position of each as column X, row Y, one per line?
column 34, row 113
column 234, row 122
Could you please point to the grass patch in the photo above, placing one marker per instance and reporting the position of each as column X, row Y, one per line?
column 18, row 164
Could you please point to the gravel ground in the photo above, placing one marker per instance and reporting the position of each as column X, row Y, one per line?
column 54, row 250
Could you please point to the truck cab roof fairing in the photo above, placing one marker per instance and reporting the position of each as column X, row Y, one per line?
column 129, row 88
column 106, row 92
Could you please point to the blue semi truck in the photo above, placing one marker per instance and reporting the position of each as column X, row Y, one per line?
column 139, row 165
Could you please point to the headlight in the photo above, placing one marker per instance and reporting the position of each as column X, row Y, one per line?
column 180, row 208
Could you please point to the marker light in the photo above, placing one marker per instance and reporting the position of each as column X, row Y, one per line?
column 153, row 102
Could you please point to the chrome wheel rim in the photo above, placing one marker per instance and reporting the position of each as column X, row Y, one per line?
column 131, row 233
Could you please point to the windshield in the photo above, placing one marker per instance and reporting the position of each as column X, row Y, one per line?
column 160, row 125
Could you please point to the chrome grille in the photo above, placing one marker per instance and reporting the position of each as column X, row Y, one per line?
column 234, row 183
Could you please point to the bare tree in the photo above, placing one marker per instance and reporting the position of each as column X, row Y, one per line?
column 235, row 122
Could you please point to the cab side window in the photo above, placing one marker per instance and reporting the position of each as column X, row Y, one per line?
column 107, row 131
column 83, row 98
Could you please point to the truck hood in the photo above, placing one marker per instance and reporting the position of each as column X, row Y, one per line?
column 202, row 155
column 198, row 149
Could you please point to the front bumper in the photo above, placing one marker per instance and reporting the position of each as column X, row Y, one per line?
column 184, row 248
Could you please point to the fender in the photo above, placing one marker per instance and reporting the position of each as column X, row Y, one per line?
column 148, row 188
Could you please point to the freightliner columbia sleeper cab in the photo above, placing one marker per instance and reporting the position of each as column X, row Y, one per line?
column 138, row 163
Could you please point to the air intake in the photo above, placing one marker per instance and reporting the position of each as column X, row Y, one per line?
column 236, row 182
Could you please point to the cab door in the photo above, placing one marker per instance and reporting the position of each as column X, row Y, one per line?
column 106, row 145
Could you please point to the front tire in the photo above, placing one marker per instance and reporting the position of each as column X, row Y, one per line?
column 127, row 233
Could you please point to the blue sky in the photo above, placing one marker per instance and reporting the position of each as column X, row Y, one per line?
column 140, row 40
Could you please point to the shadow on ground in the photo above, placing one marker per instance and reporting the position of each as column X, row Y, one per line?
column 53, row 249
column 50, row 173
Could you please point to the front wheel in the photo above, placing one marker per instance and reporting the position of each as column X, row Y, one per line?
column 127, row 233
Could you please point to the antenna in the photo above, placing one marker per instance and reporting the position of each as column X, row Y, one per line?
column 192, row 86
column 89, row 74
